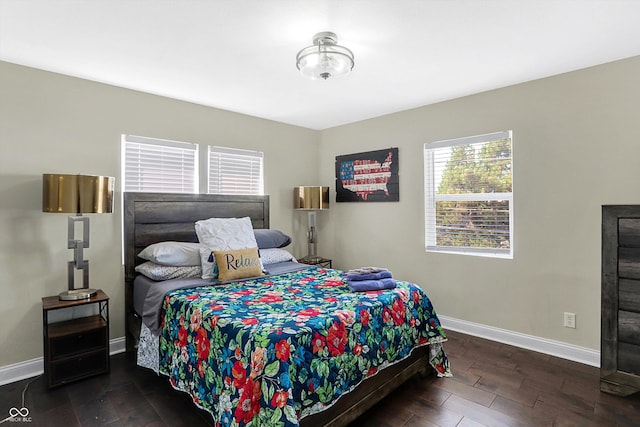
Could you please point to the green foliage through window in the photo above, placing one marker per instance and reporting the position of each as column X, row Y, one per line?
column 469, row 203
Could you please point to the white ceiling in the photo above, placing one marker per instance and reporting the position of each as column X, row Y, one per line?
column 240, row 55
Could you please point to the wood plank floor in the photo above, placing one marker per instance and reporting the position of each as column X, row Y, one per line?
column 494, row 385
column 499, row 385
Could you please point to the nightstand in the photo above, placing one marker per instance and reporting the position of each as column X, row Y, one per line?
column 319, row 261
column 76, row 348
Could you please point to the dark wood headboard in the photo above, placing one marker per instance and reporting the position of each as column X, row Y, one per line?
column 157, row 217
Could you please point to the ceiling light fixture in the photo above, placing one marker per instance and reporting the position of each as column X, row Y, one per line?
column 325, row 58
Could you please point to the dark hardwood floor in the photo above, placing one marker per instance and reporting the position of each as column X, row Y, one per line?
column 499, row 385
column 493, row 385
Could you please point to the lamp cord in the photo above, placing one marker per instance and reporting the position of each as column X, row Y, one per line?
column 24, row 391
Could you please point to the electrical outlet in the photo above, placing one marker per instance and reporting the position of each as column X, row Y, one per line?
column 569, row 320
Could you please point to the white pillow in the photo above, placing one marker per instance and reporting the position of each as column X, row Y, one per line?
column 223, row 234
column 172, row 253
column 275, row 255
column 209, row 268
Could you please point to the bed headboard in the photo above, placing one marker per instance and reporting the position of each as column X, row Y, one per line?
column 156, row 217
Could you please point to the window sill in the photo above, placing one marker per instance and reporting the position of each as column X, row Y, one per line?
column 469, row 251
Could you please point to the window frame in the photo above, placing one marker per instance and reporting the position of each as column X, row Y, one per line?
column 432, row 197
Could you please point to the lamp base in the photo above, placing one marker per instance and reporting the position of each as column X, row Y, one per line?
column 77, row 294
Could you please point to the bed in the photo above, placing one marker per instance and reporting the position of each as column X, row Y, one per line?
column 278, row 366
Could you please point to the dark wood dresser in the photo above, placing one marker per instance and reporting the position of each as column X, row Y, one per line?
column 620, row 322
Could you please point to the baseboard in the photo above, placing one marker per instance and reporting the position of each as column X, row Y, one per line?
column 530, row 342
column 31, row 368
column 117, row 345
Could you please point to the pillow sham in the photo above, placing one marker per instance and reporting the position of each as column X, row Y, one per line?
column 172, row 253
column 275, row 255
column 167, row 272
column 268, row 238
column 238, row 264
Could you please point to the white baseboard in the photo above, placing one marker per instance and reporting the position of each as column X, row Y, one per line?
column 530, row 342
column 117, row 345
column 31, row 368
column 20, row 371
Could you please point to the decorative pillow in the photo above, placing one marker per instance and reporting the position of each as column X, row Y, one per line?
column 172, row 253
column 166, row 272
column 238, row 264
column 223, row 234
column 267, row 238
column 275, row 255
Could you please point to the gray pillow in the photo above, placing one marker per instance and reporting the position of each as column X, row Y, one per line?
column 268, row 238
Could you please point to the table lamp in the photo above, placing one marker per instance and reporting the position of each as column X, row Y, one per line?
column 77, row 194
column 311, row 199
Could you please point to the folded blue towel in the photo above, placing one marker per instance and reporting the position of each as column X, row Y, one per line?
column 386, row 274
column 371, row 285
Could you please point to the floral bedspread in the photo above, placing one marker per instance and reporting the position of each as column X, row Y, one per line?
column 269, row 351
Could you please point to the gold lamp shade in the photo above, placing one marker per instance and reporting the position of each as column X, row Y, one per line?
column 77, row 193
column 311, row 198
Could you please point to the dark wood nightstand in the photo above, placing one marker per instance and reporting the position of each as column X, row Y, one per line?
column 319, row 261
column 76, row 348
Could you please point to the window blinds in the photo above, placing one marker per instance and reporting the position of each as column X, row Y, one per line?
column 157, row 165
column 469, row 195
column 235, row 171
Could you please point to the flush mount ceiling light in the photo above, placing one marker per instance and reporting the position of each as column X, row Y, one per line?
column 325, row 58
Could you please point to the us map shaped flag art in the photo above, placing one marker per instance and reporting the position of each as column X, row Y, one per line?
column 367, row 175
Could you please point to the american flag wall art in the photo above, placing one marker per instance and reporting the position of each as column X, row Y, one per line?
column 371, row 176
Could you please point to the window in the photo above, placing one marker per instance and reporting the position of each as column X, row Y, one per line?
column 234, row 171
column 158, row 165
column 162, row 166
column 469, row 195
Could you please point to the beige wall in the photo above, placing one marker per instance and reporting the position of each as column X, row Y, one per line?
column 575, row 148
column 51, row 123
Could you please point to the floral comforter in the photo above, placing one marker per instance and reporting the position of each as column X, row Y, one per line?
column 269, row 351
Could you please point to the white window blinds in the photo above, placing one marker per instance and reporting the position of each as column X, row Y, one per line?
column 157, row 165
column 469, row 195
column 235, row 171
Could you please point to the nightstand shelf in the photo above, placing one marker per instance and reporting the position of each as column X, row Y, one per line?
column 319, row 261
column 76, row 348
